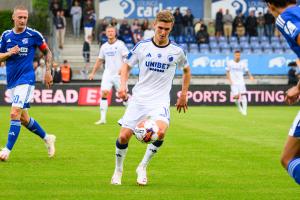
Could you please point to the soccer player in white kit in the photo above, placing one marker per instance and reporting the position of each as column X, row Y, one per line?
column 235, row 74
column 113, row 52
column 157, row 59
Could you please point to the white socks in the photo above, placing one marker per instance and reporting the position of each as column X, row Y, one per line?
column 244, row 104
column 150, row 151
column 120, row 156
column 103, row 109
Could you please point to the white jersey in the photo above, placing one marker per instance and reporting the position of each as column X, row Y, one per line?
column 114, row 55
column 236, row 71
column 157, row 67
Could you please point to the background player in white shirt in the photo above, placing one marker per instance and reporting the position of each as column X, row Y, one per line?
column 235, row 74
column 157, row 59
column 113, row 52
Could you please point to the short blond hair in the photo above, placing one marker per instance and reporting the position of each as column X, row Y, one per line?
column 20, row 7
column 165, row 16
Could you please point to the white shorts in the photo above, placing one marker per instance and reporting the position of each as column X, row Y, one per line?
column 109, row 81
column 136, row 112
column 295, row 129
column 238, row 89
column 21, row 95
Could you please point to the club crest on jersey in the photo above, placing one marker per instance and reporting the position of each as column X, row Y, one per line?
column 25, row 41
column 170, row 58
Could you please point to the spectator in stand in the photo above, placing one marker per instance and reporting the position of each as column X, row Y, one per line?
column 260, row 25
column 240, row 30
column 237, row 20
column 101, row 29
column 148, row 33
column 2, row 73
column 59, row 23
column 211, row 30
column 292, row 74
column 135, row 25
column 40, row 71
column 114, row 23
column 137, row 35
column 198, row 25
column 76, row 12
column 89, row 19
column 66, row 72
column 269, row 24
column 219, row 23
column 56, row 74
column 227, row 21
column 202, row 36
column 125, row 29
column 178, row 24
column 86, row 51
column 63, row 31
column 54, row 7
column 145, row 24
column 251, row 24
column 188, row 23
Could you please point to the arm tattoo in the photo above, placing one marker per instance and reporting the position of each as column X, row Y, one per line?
column 48, row 58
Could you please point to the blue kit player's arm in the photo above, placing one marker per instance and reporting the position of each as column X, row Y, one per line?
column 6, row 54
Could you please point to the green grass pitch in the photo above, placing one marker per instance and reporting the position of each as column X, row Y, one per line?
column 209, row 153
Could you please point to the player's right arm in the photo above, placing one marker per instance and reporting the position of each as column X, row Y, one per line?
column 13, row 51
column 124, row 73
column 98, row 64
column 228, row 73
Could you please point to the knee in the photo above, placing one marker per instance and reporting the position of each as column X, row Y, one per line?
column 284, row 160
column 15, row 114
column 123, row 139
column 24, row 120
column 161, row 133
column 104, row 94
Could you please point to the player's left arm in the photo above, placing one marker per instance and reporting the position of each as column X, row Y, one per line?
column 48, row 60
column 186, row 79
column 250, row 76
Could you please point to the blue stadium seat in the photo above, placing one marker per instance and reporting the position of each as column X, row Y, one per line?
column 279, row 51
column 243, row 39
column 268, row 50
column 194, row 46
column 103, row 39
column 226, row 51
column 253, row 39
column 289, row 51
column 181, row 39
column 224, row 45
column 184, row 46
column 171, row 37
column 129, row 45
column 222, row 39
column 255, row 45
column 212, row 39
column 285, row 45
column 213, row 45
column 265, row 44
column 233, row 39
column 127, row 39
column 247, row 51
column 245, row 45
column 275, row 39
column 203, row 51
column 277, row 45
column 235, row 46
column 257, row 50
column 264, row 39
column 214, row 50
column 204, row 46
column 190, row 39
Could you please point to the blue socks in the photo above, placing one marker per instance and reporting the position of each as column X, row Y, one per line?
column 14, row 130
column 34, row 127
column 294, row 169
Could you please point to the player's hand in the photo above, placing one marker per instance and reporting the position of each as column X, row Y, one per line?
column 14, row 50
column 292, row 95
column 122, row 93
column 251, row 78
column 48, row 79
column 181, row 103
column 91, row 76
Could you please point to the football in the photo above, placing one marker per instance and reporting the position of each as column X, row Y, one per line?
column 146, row 131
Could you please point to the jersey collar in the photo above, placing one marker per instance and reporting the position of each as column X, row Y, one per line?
column 160, row 46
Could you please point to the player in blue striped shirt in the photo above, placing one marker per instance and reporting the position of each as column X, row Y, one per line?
column 288, row 23
column 17, row 47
